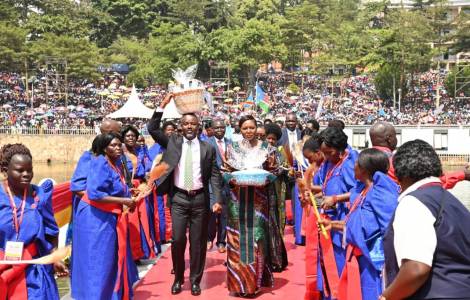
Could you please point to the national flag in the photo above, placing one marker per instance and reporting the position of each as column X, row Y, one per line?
column 262, row 99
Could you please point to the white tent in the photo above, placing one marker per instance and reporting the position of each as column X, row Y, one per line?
column 170, row 111
column 133, row 108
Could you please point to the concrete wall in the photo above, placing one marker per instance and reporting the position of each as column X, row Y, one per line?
column 57, row 148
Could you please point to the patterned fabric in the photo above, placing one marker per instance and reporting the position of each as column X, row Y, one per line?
column 253, row 234
column 247, row 247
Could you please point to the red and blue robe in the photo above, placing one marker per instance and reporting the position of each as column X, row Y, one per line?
column 364, row 230
column 341, row 181
column 103, row 267
column 164, row 217
column 141, row 222
column 33, row 281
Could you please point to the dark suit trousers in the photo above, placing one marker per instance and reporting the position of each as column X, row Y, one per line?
column 192, row 212
column 217, row 224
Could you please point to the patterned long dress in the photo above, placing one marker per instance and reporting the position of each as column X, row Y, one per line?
column 249, row 238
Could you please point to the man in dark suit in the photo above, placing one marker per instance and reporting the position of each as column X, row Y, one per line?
column 192, row 166
column 218, row 222
column 291, row 135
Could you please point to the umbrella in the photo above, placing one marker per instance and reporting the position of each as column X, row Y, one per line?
column 7, row 106
column 21, row 105
column 71, row 107
column 72, row 115
column 104, row 92
column 49, row 114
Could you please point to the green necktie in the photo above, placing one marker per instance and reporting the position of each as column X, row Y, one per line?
column 188, row 168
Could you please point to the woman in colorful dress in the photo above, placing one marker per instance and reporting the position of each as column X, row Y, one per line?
column 142, row 224
column 103, row 267
column 248, row 215
column 26, row 219
column 373, row 201
column 277, row 213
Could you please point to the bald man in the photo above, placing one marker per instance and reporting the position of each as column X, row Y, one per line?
column 109, row 125
column 384, row 138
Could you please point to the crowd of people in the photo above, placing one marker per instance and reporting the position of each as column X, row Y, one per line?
column 83, row 104
column 357, row 215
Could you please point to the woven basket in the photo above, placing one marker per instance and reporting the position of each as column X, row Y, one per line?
column 189, row 101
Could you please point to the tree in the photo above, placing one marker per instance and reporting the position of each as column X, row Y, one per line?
column 81, row 55
column 246, row 47
column 459, row 84
column 60, row 17
column 169, row 47
column 12, row 47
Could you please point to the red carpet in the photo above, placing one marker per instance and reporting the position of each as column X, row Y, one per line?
column 289, row 284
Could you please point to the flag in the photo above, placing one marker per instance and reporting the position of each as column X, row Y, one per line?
column 262, row 99
column 250, row 97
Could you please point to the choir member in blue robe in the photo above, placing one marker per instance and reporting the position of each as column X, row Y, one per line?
column 102, row 263
column 35, row 227
column 373, row 201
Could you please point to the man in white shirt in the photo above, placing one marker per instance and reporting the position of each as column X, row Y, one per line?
column 427, row 244
column 192, row 165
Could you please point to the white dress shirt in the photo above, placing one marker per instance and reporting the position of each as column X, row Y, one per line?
column 196, row 159
column 292, row 135
column 415, row 237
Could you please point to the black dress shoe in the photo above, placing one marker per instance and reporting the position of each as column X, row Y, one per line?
column 176, row 288
column 195, row 289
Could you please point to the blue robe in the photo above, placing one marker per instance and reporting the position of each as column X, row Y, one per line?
column 78, row 184
column 298, row 210
column 366, row 227
column 154, row 151
column 38, row 221
column 94, row 247
column 341, row 181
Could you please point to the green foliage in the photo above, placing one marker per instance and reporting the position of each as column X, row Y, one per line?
column 81, row 55
column 155, row 36
column 384, row 81
column 12, row 47
column 293, row 88
column 452, row 83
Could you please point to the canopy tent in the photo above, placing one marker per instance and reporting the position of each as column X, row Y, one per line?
column 170, row 111
column 133, row 108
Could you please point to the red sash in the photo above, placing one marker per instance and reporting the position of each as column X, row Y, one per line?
column 331, row 278
column 137, row 218
column 167, row 218
column 350, row 282
column 121, row 229
column 156, row 216
column 13, row 277
column 311, row 256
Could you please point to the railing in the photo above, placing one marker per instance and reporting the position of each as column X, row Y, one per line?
column 47, row 131
column 454, row 159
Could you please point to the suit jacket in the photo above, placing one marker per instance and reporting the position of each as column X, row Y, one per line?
column 213, row 141
column 285, row 138
column 210, row 171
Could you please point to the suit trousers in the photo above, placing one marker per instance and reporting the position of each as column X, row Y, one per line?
column 192, row 212
column 217, row 227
